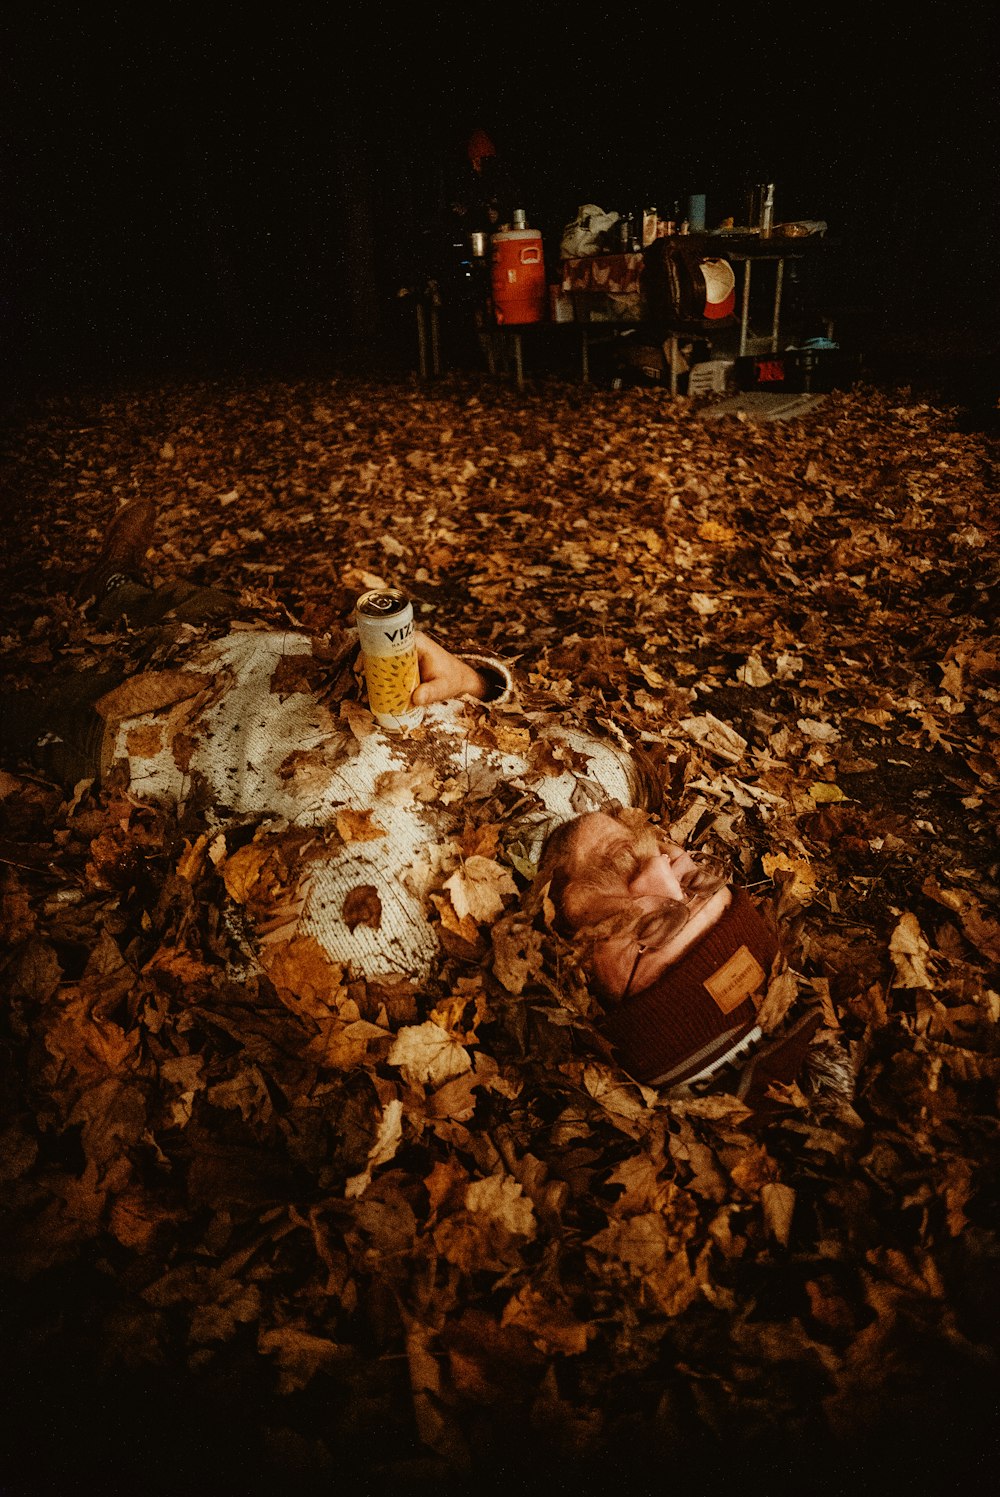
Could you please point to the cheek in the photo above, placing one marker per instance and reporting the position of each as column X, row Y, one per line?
column 613, row 963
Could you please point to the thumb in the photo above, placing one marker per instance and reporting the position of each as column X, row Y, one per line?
column 427, row 693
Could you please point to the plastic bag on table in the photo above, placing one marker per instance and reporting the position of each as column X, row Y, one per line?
column 583, row 235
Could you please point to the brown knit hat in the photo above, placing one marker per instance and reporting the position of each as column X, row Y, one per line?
column 701, row 1012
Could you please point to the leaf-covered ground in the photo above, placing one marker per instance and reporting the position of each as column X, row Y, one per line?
column 268, row 1232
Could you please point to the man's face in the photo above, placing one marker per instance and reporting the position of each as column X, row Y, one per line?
column 641, row 899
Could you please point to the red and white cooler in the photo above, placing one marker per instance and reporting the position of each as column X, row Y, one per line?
column 520, row 292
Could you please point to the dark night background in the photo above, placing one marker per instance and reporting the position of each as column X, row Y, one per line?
column 190, row 191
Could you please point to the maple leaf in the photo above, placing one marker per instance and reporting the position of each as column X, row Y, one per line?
column 358, row 826
column 517, row 952
column 400, row 787
column 306, row 980
column 502, row 1199
column 651, row 1253
column 456, row 1099
column 477, row 888
column 246, row 1092
column 427, row 1053
column 819, row 732
column 242, row 871
column 458, row 936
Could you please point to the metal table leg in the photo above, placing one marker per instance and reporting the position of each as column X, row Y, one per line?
column 519, row 361
column 584, row 354
column 779, row 276
column 745, row 309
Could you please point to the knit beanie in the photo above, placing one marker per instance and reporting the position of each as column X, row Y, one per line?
column 700, row 1013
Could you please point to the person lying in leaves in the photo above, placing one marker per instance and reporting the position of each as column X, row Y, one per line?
column 374, row 849
column 681, row 960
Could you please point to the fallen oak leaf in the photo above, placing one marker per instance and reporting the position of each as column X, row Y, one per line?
column 778, row 1204
column 358, row 719
column 306, row 980
column 551, row 1324
column 819, row 732
column 300, row 1354
column 803, row 876
column 716, row 736
column 243, row 869
column 649, row 1252
column 825, row 793
column 150, row 692
column 910, row 952
column 717, row 533
column 400, row 787
column 387, row 1141
column 753, row 673
column 982, row 930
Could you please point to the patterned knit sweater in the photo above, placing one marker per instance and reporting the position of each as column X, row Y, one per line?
column 380, row 836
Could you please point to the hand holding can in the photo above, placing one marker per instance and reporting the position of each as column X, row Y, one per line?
column 386, row 633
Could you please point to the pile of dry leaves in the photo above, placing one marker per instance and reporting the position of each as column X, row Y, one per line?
column 280, row 1224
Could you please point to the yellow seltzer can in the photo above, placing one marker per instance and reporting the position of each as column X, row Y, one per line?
column 386, row 633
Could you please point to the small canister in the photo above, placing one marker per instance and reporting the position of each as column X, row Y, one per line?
column 386, row 634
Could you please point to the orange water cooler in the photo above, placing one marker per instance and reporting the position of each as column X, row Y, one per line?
column 520, row 293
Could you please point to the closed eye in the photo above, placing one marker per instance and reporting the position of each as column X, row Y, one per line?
column 623, row 860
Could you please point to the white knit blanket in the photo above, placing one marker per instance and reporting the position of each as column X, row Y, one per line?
column 391, row 808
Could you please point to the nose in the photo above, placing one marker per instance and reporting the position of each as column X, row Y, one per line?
column 657, row 878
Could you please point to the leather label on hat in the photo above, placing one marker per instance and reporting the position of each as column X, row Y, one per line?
column 736, row 979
